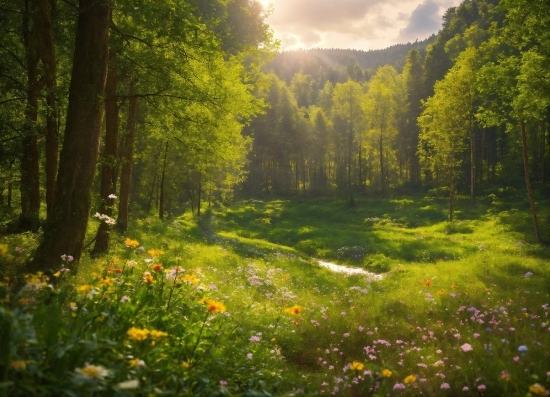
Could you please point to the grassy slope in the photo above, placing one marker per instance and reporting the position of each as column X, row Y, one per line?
column 255, row 256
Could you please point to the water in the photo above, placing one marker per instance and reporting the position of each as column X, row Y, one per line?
column 349, row 270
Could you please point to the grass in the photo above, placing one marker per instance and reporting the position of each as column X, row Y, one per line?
column 479, row 283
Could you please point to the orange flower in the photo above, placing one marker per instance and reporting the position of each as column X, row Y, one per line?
column 213, row 306
column 428, row 283
column 157, row 267
column 442, row 292
column 453, row 287
column 118, row 271
column 148, row 278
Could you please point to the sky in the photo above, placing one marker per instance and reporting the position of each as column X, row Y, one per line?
column 356, row 24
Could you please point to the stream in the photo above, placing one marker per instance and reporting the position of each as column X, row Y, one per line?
column 349, row 270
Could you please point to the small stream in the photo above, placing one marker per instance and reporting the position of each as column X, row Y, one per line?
column 349, row 270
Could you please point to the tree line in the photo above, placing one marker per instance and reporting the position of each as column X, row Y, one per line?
column 471, row 114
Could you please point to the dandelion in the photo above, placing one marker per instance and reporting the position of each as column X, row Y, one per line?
column 466, row 347
column 84, row 289
column 157, row 334
column 386, row 373
column 92, row 372
column 294, row 310
column 137, row 334
column 409, row 379
column 356, row 366
column 537, row 389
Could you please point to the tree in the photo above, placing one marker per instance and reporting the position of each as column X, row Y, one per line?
column 65, row 229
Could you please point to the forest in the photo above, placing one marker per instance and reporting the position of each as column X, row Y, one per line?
column 173, row 187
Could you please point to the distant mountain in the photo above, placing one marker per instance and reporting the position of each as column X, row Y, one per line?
column 339, row 63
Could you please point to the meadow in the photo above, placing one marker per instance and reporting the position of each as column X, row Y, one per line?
column 235, row 303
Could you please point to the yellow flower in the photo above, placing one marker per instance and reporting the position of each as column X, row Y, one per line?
column 386, row 373
column 442, row 292
column 157, row 334
column 131, row 243
column 84, row 289
column 155, row 252
column 214, row 307
column 191, row 279
column 18, row 364
column 185, row 364
column 537, row 389
column 136, row 362
column 356, row 366
column 294, row 310
column 57, row 274
column 137, row 334
column 410, row 379
column 107, row 281
column 147, row 278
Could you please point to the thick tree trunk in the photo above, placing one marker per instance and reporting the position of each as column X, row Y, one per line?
column 528, row 180
column 46, row 51
column 65, row 229
column 126, row 172
column 108, row 160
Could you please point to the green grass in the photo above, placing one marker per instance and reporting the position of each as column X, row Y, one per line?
column 479, row 280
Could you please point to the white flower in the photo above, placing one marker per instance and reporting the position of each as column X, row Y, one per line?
column 112, row 196
column 92, row 372
column 129, row 384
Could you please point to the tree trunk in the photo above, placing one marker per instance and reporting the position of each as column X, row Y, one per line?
column 127, row 157
column 199, row 196
column 161, row 200
column 451, row 196
column 381, row 150
column 108, row 159
column 65, row 230
column 472, row 165
column 30, row 155
column 46, row 51
column 528, row 181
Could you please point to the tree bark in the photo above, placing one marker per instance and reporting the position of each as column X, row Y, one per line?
column 126, row 171
column 108, row 159
column 46, row 50
column 65, row 230
column 528, row 181
column 30, row 155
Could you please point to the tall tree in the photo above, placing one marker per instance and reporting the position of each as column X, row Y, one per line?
column 65, row 229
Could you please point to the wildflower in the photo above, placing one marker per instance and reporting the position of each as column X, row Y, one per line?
column 466, row 347
column 157, row 334
column 19, row 249
column 135, row 362
column 223, row 383
column 213, row 306
column 73, row 306
column 357, row 366
column 445, row 386
column 386, row 373
column 249, row 356
column 185, row 364
column 92, row 372
column 112, row 196
column 84, row 289
column 439, row 363
column 125, row 298
column 119, row 271
column 453, row 287
column 20, row 364
column 409, row 379
column 255, row 338
column 442, row 292
column 107, row 281
column 131, row 243
column 137, row 334
column 128, row 384
column 528, row 274
column 398, row 386
column 331, row 367
column 505, row 376
column 476, row 335
column 191, row 279
column 155, row 252
column 522, row 349
column 428, row 283
column 537, row 389
column 294, row 310
column 148, row 278
column 157, row 267
column 516, row 359
column 465, row 388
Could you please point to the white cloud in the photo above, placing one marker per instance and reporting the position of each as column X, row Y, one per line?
column 360, row 24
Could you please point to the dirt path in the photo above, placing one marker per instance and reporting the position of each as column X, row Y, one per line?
column 349, row 270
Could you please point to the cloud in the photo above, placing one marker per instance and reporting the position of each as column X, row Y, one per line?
column 360, row 24
column 424, row 20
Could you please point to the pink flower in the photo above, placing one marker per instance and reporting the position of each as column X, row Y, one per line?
column 516, row 359
column 481, row 387
column 223, row 383
column 465, row 388
column 466, row 347
column 476, row 335
column 445, row 386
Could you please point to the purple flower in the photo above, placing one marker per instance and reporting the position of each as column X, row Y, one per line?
column 398, row 386
column 445, row 386
column 522, row 349
column 481, row 387
column 466, row 347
